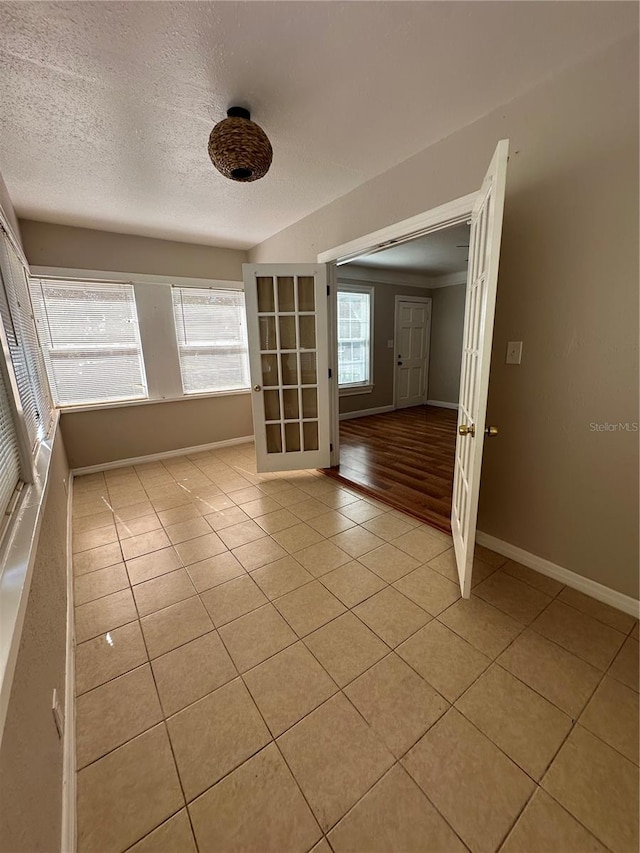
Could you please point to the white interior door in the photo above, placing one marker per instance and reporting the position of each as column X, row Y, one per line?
column 288, row 359
column 482, row 281
column 413, row 331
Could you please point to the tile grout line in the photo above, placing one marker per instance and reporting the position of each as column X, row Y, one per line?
column 391, row 650
column 162, row 711
column 483, row 734
column 241, row 675
column 151, row 831
column 216, row 628
column 273, row 738
column 348, row 609
column 173, row 756
column 574, row 723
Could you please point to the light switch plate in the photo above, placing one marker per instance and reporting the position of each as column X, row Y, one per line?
column 514, row 352
column 390, row 344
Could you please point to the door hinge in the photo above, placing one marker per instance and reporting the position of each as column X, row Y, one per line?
column 329, row 373
column 331, row 447
column 328, row 291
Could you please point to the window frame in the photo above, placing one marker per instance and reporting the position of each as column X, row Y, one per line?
column 154, row 306
column 28, row 450
column 27, row 367
column 35, row 283
column 352, row 388
column 26, row 453
column 20, row 527
column 242, row 349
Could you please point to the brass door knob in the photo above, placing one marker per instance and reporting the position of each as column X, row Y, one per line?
column 463, row 429
column 257, row 388
column 491, row 431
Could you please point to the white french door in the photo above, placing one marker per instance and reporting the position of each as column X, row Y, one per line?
column 288, row 358
column 482, row 281
column 413, row 331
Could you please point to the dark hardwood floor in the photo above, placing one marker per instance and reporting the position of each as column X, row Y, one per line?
column 404, row 458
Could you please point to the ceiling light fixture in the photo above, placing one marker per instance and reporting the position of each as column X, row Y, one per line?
column 239, row 148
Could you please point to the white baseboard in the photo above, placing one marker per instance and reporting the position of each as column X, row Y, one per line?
column 166, row 454
column 68, row 839
column 590, row 587
column 363, row 413
column 442, row 404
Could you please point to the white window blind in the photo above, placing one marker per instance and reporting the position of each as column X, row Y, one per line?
column 212, row 339
column 91, row 341
column 26, row 354
column 9, row 454
column 354, row 337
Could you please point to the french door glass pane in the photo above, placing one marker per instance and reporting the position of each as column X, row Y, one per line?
column 270, row 369
column 288, row 341
column 272, row 405
column 266, row 301
column 287, row 333
column 292, row 437
column 306, row 298
column 310, row 431
column 286, row 294
column 309, row 403
column 268, row 340
column 290, row 400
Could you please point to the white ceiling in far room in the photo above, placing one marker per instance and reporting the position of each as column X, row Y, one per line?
column 439, row 253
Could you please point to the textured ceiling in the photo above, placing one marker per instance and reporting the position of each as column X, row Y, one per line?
column 106, row 108
column 439, row 253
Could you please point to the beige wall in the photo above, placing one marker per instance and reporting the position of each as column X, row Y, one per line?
column 384, row 302
column 31, row 752
column 107, row 434
column 445, row 354
column 82, row 248
column 568, row 289
column 125, row 432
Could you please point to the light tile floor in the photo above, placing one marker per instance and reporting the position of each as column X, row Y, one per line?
column 273, row 663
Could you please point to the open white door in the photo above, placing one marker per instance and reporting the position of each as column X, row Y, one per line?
column 288, row 359
column 482, row 281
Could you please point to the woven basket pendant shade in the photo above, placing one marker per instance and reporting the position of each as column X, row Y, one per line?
column 239, row 148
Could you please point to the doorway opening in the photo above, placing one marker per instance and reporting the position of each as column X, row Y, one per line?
column 400, row 318
column 292, row 333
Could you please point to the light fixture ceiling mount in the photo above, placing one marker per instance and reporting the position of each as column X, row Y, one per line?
column 239, row 148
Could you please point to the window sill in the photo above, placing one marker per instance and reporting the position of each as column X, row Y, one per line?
column 16, row 566
column 92, row 407
column 354, row 390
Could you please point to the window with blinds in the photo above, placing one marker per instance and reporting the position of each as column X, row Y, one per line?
column 91, row 341
column 9, row 454
column 212, row 339
column 24, row 348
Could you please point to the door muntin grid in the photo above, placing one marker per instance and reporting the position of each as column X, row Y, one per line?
column 288, row 329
